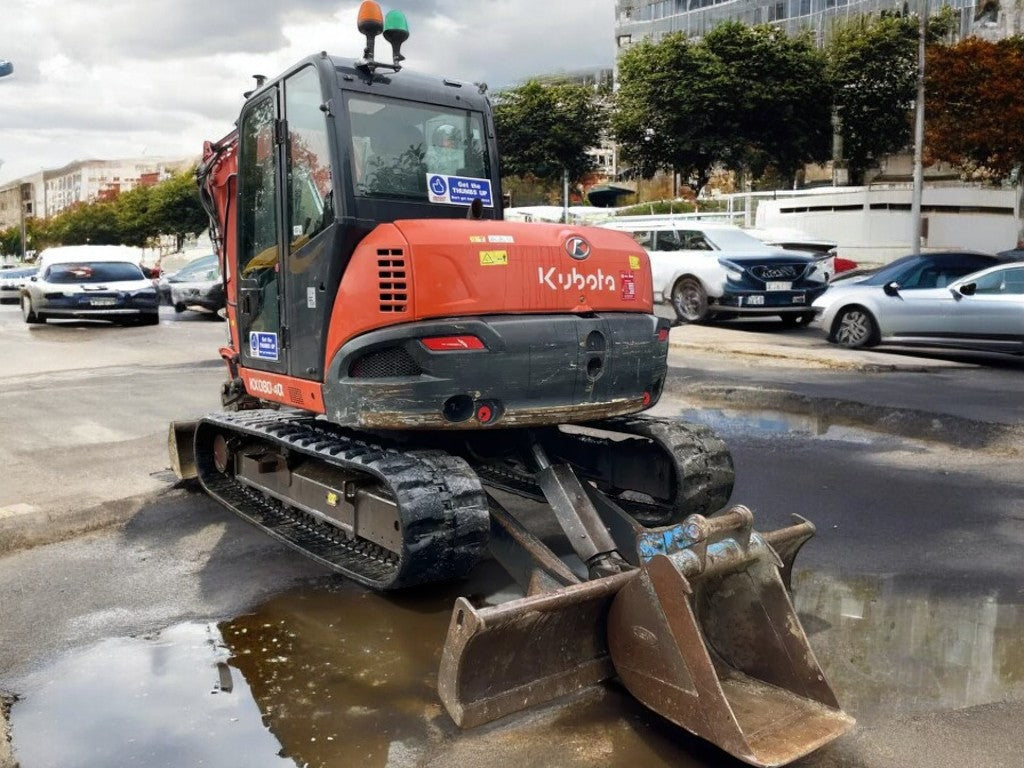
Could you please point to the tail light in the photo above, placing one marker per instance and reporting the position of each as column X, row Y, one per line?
column 452, row 343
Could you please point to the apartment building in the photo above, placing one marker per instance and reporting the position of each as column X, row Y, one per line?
column 47, row 193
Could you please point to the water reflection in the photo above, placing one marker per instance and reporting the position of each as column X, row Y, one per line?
column 345, row 673
column 153, row 701
column 891, row 649
column 777, row 423
column 339, row 676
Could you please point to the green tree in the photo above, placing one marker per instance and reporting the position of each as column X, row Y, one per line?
column 176, row 209
column 87, row 224
column 748, row 98
column 776, row 103
column 872, row 67
column 135, row 216
column 667, row 113
column 545, row 129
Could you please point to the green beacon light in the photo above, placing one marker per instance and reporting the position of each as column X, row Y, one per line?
column 396, row 32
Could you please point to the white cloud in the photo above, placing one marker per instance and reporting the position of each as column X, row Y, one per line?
column 158, row 77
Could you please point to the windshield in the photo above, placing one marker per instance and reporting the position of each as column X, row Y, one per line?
column 736, row 240
column 891, row 272
column 398, row 145
column 93, row 272
column 18, row 272
column 201, row 267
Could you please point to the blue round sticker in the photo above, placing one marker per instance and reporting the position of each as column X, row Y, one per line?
column 438, row 185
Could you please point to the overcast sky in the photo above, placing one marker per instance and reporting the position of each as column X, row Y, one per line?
column 130, row 78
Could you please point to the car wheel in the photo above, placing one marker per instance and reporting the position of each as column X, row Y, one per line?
column 689, row 300
column 855, row 327
column 179, row 307
column 29, row 313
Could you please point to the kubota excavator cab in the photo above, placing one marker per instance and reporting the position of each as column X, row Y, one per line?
column 339, row 274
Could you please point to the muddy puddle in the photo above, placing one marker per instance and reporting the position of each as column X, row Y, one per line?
column 732, row 421
column 338, row 676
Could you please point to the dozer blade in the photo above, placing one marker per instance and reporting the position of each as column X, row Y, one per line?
column 526, row 652
column 707, row 637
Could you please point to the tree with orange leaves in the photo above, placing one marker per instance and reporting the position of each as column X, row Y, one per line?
column 974, row 113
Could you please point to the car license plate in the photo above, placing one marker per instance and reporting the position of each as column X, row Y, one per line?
column 779, row 285
column 102, row 302
column 755, row 300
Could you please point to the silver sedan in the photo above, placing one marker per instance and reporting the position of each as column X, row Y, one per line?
column 923, row 301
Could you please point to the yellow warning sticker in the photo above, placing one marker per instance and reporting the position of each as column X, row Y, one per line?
column 634, row 262
column 332, row 499
column 477, row 239
column 493, row 258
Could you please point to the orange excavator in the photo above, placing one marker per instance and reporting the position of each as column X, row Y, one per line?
column 404, row 365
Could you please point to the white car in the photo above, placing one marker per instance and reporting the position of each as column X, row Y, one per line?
column 707, row 270
column 954, row 299
column 88, row 285
column 11, row 281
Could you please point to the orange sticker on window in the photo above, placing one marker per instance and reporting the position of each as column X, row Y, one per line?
column 493, row 258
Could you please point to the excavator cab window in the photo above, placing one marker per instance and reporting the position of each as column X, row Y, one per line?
column 310, row 196
column 396, row 145
column 258, row 218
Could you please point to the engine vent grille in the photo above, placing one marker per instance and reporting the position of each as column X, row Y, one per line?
column 392, row 279
column 393, row 361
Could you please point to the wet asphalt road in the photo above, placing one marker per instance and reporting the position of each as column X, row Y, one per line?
column 185, row 637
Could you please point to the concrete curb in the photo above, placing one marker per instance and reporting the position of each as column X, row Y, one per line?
column 955, row 431
column 39, row 527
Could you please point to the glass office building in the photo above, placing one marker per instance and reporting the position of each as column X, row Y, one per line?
column 653, row 19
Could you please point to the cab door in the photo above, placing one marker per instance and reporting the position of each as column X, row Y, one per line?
column 261, row 321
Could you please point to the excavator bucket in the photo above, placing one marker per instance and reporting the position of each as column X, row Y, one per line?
column 707, row 637
column 181, row 450
column 703, row 633
column 526, row 652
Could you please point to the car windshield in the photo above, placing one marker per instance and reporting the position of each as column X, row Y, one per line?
column 17, row 272
column 737, row 240
column 94, row 272
column 201, row 267
column 890, row 272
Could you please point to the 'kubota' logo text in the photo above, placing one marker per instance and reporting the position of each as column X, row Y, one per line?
column 574, row 280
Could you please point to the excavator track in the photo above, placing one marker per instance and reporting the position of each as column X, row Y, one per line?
column 441, row 507
column 658, row 470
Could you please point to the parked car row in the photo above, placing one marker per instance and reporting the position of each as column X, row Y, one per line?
column 957, row 299
column 108, row 283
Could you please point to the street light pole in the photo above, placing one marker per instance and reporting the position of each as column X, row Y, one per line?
column 918, row 192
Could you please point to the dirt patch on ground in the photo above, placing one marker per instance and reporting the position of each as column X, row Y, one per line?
column 6, row 755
